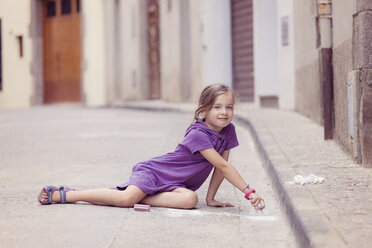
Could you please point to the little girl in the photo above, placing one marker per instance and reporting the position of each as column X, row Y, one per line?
column 172, row 179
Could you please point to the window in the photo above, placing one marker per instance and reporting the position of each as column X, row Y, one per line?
column 1, row 66
column 66, row 7
column 51, row 9
column 285, row 31
column 20, row 44
column 78, row 6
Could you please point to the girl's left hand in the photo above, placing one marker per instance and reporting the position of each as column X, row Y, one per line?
column 214, row 203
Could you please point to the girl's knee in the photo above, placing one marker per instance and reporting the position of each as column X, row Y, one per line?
column 126, row 200
column 129, row 197
column 190, row 200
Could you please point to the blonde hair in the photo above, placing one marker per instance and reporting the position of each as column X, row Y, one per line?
column 209, row 96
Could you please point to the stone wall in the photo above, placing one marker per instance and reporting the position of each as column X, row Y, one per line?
column 362, row 63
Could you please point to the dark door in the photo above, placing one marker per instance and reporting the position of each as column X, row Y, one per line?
column 242, row 48
column 153, row 48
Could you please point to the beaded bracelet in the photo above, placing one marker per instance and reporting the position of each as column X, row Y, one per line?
column 250, row 192
column 247, row 187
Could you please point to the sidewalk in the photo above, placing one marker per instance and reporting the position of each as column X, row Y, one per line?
column 337, row 213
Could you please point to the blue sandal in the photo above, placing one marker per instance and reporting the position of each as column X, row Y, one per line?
column 50, row 190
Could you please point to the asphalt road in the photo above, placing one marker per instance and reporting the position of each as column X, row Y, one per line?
column 87, row 148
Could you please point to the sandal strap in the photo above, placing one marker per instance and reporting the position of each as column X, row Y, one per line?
column 62, row 194
column 50, row 190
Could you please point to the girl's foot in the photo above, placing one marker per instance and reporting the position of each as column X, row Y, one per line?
column 51, row 194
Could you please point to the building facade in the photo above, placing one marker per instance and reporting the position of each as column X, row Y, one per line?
column 99, row 52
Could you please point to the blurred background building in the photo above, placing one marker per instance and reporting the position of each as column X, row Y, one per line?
column 311, row 56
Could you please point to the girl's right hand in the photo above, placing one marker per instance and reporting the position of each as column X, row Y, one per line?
column 257, row 201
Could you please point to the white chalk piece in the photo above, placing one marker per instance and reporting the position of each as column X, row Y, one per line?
column 141, row 207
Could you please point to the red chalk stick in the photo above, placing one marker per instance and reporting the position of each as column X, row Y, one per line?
column 141, row 207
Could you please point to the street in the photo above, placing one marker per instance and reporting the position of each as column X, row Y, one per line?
column 85, row 148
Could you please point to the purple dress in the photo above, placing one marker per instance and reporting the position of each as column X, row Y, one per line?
column 185, row 167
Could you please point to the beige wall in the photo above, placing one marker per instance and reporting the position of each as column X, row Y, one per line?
column 17, row 79
column 196, row 28
column 266, row 47
column 308, row 100
column 194, row 53
column 114, row 51
column 217, row 42
column 342, row 65
column 285, row 55
column 133, row 39
column 94, row 53
column 36, row 35
column 170, row 50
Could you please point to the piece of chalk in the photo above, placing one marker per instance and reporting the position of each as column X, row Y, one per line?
column 141, row 207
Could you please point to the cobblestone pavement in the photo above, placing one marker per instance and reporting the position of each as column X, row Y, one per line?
column 345, row 198
column 96, row 147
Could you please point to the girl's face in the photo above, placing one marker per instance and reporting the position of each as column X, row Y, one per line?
column 221, row 113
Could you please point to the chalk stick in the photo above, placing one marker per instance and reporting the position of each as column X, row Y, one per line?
column 141, row 207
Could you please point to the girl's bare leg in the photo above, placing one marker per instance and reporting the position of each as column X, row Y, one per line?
column 107, row 197
column 178, row 198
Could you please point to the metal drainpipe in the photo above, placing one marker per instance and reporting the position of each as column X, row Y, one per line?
column 326, row 68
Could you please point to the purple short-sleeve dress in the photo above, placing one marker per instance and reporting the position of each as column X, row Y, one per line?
column 185, row 167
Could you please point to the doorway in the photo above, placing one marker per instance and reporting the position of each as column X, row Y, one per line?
column 153, row 37
column 61, row 51
column 242, row 48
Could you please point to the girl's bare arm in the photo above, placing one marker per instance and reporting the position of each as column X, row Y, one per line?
column 214, row 185
column 231, row 174
column 227, row 169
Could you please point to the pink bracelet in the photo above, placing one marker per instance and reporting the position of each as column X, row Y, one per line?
column 250, row 192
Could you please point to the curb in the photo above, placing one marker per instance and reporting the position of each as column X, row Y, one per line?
column 296, row 224
column 311, row 228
